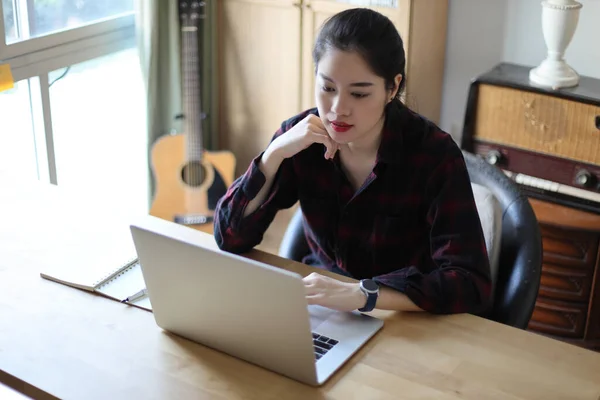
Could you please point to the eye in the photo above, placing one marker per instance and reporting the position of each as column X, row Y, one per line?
column 326, row 89
column 360, row 95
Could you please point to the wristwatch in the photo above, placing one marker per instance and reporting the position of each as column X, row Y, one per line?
column 371, row 289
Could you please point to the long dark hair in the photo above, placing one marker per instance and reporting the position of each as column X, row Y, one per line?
column 375, row 38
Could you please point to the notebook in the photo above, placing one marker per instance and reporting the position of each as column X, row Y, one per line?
column 105, row 263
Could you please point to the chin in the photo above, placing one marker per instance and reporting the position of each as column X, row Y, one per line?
column 340, row 138
column 345, row 138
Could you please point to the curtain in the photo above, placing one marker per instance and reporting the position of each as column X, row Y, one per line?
column 158, row 40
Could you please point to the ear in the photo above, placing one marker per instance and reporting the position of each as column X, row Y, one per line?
column 394, row 91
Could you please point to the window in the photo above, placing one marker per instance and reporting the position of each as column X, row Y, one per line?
column 10, row 28
column 48, row 16
column 97, row 110
column 76, row 116
column 17, row 145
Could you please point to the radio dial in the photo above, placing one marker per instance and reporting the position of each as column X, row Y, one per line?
column 584, row 178
column 493, row 157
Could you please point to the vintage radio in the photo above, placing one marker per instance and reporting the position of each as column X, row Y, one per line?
column 547, row 140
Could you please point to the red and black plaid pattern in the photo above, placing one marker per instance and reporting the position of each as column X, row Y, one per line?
column 412, row 226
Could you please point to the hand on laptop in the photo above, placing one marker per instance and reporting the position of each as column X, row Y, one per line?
column 331, row 293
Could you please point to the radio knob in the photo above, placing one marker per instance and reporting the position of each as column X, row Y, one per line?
column 584, row 178
column 493, row 157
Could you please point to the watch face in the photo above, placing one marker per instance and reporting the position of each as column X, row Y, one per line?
column 370, row 285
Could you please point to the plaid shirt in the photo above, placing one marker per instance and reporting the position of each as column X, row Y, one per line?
column 412, row 226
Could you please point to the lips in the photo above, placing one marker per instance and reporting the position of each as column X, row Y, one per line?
column 340, row 126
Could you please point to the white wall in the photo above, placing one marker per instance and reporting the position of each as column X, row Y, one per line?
column 474, row 44
column 482, row 33
column 524, row 42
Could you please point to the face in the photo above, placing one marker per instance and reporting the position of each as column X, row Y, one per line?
column 350, row 98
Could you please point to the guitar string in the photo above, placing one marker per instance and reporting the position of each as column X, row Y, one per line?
column 194, row 79
column 186, row 115
column 188, row 118
column 194, row 93
column 191, row 103
column 194, row 68
column 190, row 43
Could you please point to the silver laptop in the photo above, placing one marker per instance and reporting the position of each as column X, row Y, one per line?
column 248, row 309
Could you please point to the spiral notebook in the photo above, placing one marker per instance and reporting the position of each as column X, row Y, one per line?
column 111, row 269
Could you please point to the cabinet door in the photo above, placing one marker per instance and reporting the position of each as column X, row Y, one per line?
column 568, row 304
column 593, row 331
column 315, row 13
column 259, row 72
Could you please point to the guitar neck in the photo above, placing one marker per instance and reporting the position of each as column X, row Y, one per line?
column 190, row 62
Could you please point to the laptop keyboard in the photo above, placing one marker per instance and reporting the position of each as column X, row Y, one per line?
column 322, row 344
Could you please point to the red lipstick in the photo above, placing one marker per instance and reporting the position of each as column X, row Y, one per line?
column 340, row 126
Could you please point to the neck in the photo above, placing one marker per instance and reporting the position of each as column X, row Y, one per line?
column 368, row 145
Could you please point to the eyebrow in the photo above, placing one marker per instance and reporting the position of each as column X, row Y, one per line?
column 357, row 84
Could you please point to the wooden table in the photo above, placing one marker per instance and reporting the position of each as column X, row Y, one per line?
column 56, row 341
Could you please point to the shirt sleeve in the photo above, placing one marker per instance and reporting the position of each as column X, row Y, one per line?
column 238, row 234
column 460, row 278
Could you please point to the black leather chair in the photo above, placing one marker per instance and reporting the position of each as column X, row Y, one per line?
column 519, row 267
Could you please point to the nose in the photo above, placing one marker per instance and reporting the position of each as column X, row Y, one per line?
column 340, row 106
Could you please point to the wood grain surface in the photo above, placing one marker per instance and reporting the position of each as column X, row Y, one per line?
column 60, row 342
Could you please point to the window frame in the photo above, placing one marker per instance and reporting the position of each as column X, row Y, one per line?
column 28, row 46
column 34, row 58
column 48, row 60
column 61, row 37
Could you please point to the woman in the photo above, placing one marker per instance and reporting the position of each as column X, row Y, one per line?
column 385, row 193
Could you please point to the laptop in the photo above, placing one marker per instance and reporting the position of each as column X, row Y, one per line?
column 245, row 308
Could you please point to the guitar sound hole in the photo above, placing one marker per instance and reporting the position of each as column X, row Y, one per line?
column 193, row 173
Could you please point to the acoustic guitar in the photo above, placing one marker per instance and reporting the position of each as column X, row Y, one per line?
column 189, row 179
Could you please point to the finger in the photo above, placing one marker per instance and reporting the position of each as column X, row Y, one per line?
column 336, row 147
column 310, row 276
column 327, row 142
column 317, row 128
column 309, row 283
column 312, row 287
column 310, row 290
column 316, row 298
column 316, row 120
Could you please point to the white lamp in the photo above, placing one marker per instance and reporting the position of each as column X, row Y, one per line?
column 559, row 21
